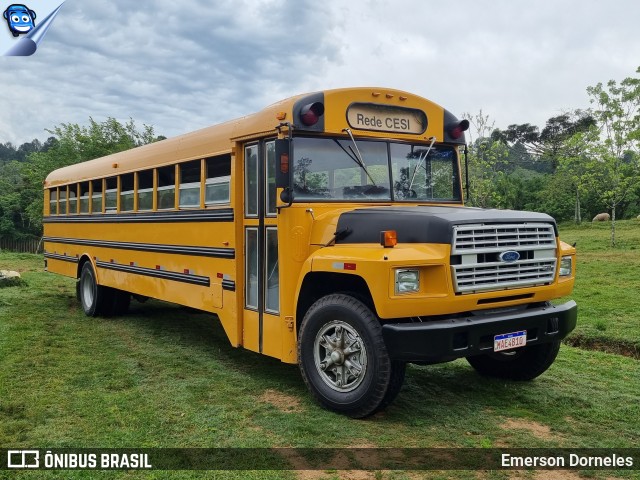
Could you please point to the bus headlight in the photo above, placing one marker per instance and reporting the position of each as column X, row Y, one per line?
column 407, row 280
column 565, row 266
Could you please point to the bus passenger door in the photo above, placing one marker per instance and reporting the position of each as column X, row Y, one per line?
column 261, row 310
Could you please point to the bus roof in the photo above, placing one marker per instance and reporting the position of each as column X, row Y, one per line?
column 218, row 139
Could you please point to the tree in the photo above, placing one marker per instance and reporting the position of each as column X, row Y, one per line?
column 616, row 172
column 21, row 194
column 11, row 208
column 487, row 163
column 546, row 146
column 576, row 163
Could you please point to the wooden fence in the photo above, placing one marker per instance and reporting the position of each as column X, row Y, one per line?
column 27, row 245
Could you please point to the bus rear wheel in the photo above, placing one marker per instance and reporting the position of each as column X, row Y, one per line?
column 342, row 356
column 95, row 299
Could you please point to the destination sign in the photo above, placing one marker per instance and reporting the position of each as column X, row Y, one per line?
column 386, row 118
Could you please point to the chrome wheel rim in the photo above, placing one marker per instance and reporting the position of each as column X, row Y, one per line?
column 87, row 291
column 340, row 356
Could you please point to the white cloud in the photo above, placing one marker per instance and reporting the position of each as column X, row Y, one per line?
column 184, row 66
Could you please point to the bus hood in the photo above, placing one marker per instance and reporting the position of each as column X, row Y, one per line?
column 424, row 224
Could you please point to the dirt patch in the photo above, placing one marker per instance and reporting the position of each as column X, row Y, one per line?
column 619, row 347
column 283, row 402
column 363, row 444
column 304, row 469
column 538, row 430
column 357, row 475
column 343, row 474
column 340, row 462
column 556, row 475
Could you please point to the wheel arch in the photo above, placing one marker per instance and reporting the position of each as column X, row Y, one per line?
column 316, row 285
column 84, row 258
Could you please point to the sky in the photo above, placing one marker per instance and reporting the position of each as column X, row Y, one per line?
column 181, row 66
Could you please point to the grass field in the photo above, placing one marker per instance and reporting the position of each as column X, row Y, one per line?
column 163, row 376
column 607, row 286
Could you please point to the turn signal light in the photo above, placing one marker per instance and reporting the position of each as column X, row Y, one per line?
column 284, row 163
column 388, row 238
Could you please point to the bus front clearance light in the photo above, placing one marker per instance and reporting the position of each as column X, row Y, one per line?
column 407, row 280
column 388, row 238
column 566, row 265
column 311, row 113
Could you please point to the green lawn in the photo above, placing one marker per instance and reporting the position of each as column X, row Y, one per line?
column 163, row 376
column 607, row 286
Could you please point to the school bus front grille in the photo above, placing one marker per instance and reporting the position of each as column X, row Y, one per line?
column 478, row 263
column 481, row 238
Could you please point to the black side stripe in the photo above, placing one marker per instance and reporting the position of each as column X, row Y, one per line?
column 64, row 258
column 219, row 215
column 150, row 272
column 229, row 285
column 149, row 247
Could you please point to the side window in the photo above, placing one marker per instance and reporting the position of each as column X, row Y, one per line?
column 145, row 190
column 271, row 178
column 73, row 199
column 111, row 195
column 272, row 273
column 251, row 268
column 126, row 192
column 166, row 188
column 63, row 201
column 96, row 196
column 53, row 201
column 84, row 197
column 251, row 181
column 218, row 179
column 190, row 184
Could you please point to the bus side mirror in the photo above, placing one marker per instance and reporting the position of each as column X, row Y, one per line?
column 283, row 169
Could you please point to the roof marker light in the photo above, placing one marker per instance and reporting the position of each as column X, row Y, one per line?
column 311, row 113
column 457, row 129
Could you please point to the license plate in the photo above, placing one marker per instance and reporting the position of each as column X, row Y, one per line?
column 507, row 341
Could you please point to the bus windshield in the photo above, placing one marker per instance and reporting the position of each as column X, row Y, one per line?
column 327, row 169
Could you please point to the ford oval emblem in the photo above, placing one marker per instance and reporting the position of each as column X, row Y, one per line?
column 509, row 256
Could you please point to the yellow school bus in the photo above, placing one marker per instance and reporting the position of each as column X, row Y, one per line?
column 327, row 230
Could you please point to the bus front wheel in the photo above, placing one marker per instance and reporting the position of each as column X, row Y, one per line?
column 342, row 356
column 523, row 364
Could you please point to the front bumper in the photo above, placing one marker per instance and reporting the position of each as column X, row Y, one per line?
column 444, row 340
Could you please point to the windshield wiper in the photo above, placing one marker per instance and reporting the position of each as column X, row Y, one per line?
column 421, row 158
column 356, row 156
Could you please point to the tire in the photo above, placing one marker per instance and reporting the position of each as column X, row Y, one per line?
column 522, row 364
column 95, row 299
column 396, row 381
column 341, row 331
